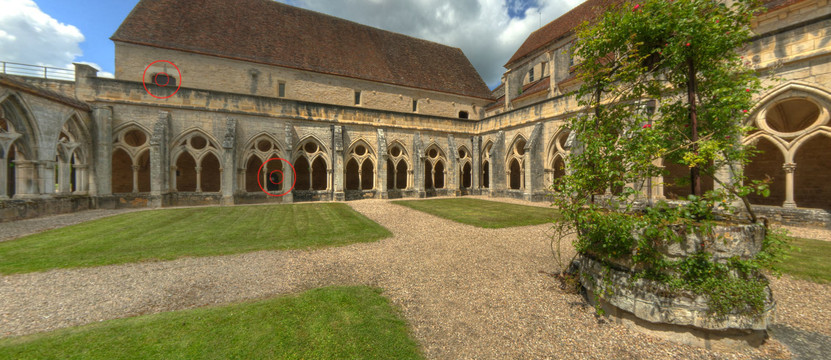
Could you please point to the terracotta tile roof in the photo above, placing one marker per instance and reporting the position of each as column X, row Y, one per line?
column 19, row 84
column 560, row 27
column 586, row 11
column 269, row 32
column 534, row 88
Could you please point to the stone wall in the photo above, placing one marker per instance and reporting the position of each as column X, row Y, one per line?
column 19, row 209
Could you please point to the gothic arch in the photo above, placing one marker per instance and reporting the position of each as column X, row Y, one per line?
column 515, row 163
column 312, row 165
column 260, row 149
column 434, row 167
column 486, row 165
column 17, row 113
column 197, row 167
column 399, row 167
column 131, row 159
column 465, row 167
column 359, row 172
column 556, row 156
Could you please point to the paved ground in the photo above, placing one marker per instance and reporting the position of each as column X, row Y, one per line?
column 466, row 292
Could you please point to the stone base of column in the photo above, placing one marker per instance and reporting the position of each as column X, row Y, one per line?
column 383, row 194
column 789, row 205
column 422, row 194
column 339, row 196
column 227, row 200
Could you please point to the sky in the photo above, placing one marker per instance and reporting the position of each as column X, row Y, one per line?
column 59, row 32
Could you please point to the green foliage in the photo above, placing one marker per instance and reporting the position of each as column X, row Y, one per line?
column 663, row 82
column 327, row 323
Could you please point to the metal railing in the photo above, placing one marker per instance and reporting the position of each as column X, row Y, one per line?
column 43, row 72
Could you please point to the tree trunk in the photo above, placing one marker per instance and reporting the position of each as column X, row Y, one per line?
column 695, row 173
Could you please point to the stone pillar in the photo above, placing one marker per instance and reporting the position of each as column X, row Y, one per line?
column 161, row 179
column 475, row 163
column 4, row 168
column 498, row 169
column 288, row 175
column 381, row 165
column 198, row 179
column 64, row 177
column 173, row 186
column 46, row 176
column 533, row 167
column 789, row 198
column 102, row 143
column 81, row 180
column 336, row 174
column 136, row 169
column 451, row 180
column 228, row 180
column 418, row 166
column 25, row 175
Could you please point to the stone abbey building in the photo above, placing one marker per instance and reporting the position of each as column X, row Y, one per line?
column 208, row 94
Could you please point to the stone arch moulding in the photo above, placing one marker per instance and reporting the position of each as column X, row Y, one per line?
column 795, row 90
column 362, row 176
column 310, row 174
column 201, row 147
column 804, row 138
column 251, row 148
column 17, row 111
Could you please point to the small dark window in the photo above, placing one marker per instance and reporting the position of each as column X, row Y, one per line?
column 415, row 105
column 463, row 115
column 531, row 75
column 357, row 98
column 163, row 80
column 281, row 89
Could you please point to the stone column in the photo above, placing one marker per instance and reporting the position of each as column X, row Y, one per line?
column 25, row 175
column 288, row 176
column 173, row 186
column 46, row 176
column 336, row 174
column 64, row 177
column 136, row 169
column 81, row 175
column 789, row 198
column 4, row 168
column 475, row 164
column 102, row 142
column 418, row 166
column 161, row 181
column 198, row 179
column 228, row 182
column 381, row 166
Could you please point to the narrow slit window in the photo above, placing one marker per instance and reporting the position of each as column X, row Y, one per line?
column 357, row 98
column 415, row 105
column 531, row 75
column 281, row 89
column 464, row 115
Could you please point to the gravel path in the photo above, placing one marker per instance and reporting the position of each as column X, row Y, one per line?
column 466, row 292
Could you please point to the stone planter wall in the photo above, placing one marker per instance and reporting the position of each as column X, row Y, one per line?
column 650, row 307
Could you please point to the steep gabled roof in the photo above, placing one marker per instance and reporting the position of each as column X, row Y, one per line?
column 561, row 27
column 565, row 24
column 272, row 33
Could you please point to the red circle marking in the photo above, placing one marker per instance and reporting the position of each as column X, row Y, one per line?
column 156, row 79
column 293, row 177
column 272, row 179
column 144, row 82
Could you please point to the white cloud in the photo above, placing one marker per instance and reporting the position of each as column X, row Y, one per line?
column 29, row 36
column 483, row 29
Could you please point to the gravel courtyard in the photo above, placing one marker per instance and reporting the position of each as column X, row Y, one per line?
column 466, row 292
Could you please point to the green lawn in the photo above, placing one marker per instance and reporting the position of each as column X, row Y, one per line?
column 327, row 323
column 174, row 233
column 483, row 213
column 811, row 261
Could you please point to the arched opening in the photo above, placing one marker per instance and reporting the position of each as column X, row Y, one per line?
column 516, row 175
column 439, row 182
column 428, row 175
column 319, row 176
column 352, row 181
column 301, row 168
column 812, row 178
column 466, row 176
column 144, row 171
column 185, row 173
column 486, row 175
column 559, row 170
column 210, row 175
column 367, row 175
column 273, row 174
column 122, row 172
column 390, row 175
column 792, row 115
column 73, row 182
column 252, row 168
column 767, row 164
column 677, row 181
column 401, row 175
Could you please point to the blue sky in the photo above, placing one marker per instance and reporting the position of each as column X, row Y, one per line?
column 59, row 32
